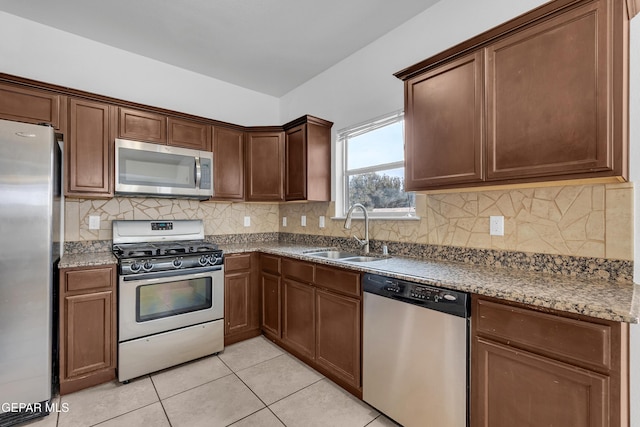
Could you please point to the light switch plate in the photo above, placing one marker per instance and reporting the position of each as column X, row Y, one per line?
column 247, row 221
column 321, row 221
column 496, row 225
column 94, row 222
column 284, row 221
column 303, row 220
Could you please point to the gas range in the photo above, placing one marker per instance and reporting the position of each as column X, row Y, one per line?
column 156, row 246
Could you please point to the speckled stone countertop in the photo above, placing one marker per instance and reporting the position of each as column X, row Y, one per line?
column 599, row 298
column 87, row 259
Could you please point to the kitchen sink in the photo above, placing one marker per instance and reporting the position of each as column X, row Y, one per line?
column 332, row 254
column 362, row 259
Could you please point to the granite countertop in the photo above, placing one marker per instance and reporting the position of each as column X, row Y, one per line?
column 599, row 298
column 87, row 259
column 605, row 299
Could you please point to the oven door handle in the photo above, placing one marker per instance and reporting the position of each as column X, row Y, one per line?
column 174, row 273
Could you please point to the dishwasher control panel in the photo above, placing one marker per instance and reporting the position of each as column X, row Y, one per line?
column 433, row 297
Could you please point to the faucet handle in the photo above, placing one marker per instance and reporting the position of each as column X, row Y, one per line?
column 362, row 242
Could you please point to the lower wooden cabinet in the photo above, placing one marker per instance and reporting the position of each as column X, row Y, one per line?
column 241, row 298
column 540, row 368
column 88, row 317
column 270, row 291
column 339, row 335
column 320, row 318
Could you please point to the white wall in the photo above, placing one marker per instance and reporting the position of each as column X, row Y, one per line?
column 39, row 52
column 362, row 86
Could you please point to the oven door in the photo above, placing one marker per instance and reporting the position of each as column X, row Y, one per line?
column 164, row 301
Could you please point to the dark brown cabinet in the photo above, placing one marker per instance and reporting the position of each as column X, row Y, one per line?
column 443, row 125
column 540, row 98
column 87, row 327
column 264, row 166
column 228, row 164
column 188, row 134
column 270, row 289
column 89, row 149
column 543, row 368
column 308, row 159
column 321, row 312
column 241, row 298
column 28, row 105
column 298, row 307
column 338, row 335
column 142, row 126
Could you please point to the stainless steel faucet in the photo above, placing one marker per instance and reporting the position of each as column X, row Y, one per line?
column 347, row 224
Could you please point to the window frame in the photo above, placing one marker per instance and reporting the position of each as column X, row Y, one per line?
column 343, row 137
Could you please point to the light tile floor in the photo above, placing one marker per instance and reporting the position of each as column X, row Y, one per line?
column 251, row 383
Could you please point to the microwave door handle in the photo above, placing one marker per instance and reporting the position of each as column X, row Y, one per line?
column 198, row 172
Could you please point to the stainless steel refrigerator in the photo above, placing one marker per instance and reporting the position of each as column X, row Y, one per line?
column 30, row 208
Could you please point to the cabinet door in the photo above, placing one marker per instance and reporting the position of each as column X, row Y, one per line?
column 89, row 150
column 228, row 164
column 296, row 163
column 298, row 317
column 265, row 166
column 88, row 340
column 142, row 126
column 270, row 287
column 338, row 335
column 548, row 96
column 30, row 105
column 318, row 156
column 237, row 302
column 511, row 387
column 188, row 134
column 443, row 125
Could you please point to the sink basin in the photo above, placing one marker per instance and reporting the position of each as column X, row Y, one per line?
column 362, row 259
column 332, row 254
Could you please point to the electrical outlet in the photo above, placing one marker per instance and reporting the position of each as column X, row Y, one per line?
column 284, row 221
column 247, row 221
column 321, row 221
column 94, row 222
column 496, row 225
column 303, row 220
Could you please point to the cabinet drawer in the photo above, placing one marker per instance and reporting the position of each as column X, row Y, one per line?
column 94, row 278
column 270, row 263
column 298, row 270
column 559, row 337
column 342, row 281
column 237, row 262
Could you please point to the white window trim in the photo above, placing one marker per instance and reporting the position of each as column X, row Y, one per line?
column 342, row 190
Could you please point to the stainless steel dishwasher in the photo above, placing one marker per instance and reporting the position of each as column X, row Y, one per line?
column 415, row 352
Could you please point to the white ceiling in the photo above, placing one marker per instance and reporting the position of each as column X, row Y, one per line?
column 270, row 46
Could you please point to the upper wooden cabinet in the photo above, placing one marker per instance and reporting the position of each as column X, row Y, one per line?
column 228, row 164
column 142, row 125
column 443, row 125
column 89, row 149
column 308, row 159
column 31, row 105
column 264, row 166
column 189, row 134
column 542, row 97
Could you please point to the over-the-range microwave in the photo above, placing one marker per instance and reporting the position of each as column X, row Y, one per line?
column 162, row 170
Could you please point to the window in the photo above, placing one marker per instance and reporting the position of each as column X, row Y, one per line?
column 373, row 172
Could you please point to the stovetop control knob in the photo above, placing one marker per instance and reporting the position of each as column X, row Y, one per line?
column 135, row 267
column 147, row 266
column 177, row 263
column 203, row 260
column 216, row 259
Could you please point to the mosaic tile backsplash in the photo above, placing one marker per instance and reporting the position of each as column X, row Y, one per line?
column 593, row 221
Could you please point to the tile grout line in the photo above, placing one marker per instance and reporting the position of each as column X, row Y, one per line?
column 160, row 400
